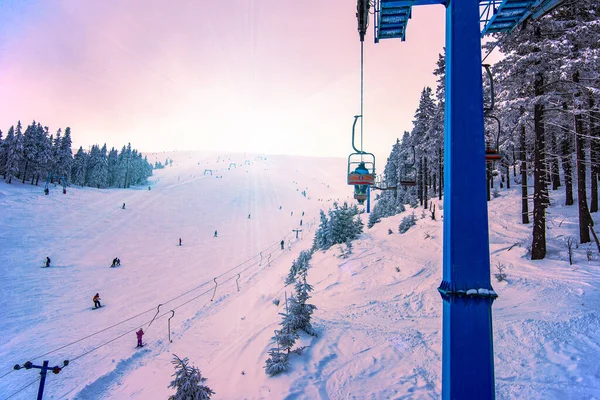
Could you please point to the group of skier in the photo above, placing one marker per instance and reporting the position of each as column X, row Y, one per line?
column 117, row 262
column 139, row 334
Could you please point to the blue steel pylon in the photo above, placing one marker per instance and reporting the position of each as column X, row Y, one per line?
column 467, row 342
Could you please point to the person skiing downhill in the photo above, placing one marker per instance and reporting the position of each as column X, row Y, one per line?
column 139, row 335
column 97, row 301
column 249, row 216
column 282, row 244
column 47, row 261
column 123, row 206
column 180, row 241
column 215, row 234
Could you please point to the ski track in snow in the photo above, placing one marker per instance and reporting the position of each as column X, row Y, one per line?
column 379, row 328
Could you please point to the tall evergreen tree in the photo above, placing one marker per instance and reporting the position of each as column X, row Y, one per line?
column 78, row 171
column 9, row 159
column 29, row 152
column 188, row 382
column 65, row 156
column 15, row 152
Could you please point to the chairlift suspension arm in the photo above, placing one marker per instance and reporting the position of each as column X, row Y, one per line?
column 498, row 134
column 492, row 93
column 356, row 117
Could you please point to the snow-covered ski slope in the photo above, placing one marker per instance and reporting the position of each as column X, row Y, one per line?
column 379, row 328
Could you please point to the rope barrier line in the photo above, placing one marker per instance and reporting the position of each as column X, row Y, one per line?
column 9, row 372
column 160, row 316
column 144, row 312
column 235, row 276
column 93, row 334
column 153, row 308
column 23, row 388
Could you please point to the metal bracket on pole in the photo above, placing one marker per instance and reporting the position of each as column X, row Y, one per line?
column 157, row 311
column 216, row 284
column 172, row 315
column 44, row 369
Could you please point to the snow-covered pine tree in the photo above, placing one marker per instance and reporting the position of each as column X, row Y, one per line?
column 299, row 266
column 79, row 167
column 2, row 154
column 43, row 153
column 342, row 224
column 65, row 156
column 113, row 158
column 121, row 168
column 55, row 152
column 298, row 307
column 14, row 153
column 286, row 337
column 29, row 152
column 277, row 362
column 188, row 382
column 407, row 222
column 321, row 240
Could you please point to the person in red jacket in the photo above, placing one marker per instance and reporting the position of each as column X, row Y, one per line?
column 139, row 335
column 97, row 301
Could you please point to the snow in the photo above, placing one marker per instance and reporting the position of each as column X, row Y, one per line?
column 379, row 328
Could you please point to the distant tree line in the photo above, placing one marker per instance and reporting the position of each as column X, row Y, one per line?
column 35, row 154
column 547, row 100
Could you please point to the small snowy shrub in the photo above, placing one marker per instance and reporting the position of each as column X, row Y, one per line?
column 345, row 250
column 496, row 193
column 390, row 231
column 373, row 219
column 397, row 269
column 188, row 382
column 407, row 222
column 500, row 275
column 276, row 302
column 277, row 362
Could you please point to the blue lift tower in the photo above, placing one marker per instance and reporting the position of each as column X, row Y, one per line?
column 467, row 344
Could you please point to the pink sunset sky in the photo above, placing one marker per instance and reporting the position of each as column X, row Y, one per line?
column 272, row 76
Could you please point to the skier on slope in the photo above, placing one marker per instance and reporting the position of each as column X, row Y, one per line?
column 97, row 301
column 139, row 335
column 123, row 206
column 47, row 261
column 282, row 243
column 216, row 235
column 180, row 241
column 249, row 216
